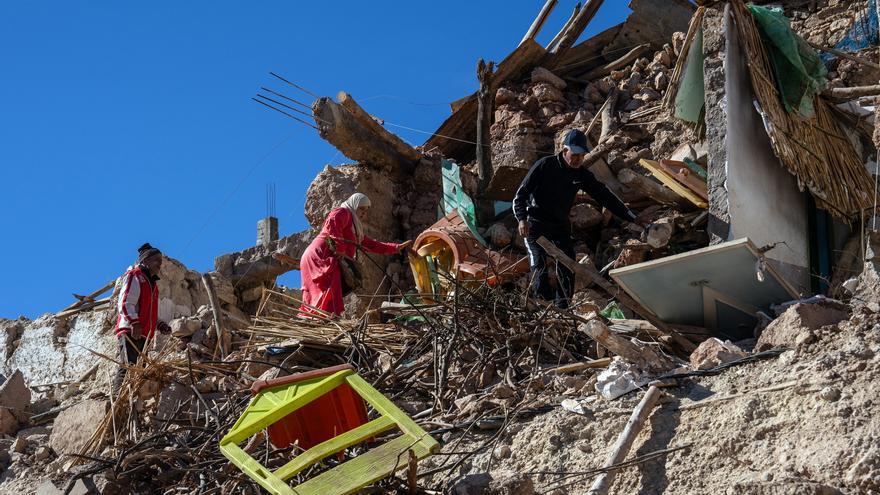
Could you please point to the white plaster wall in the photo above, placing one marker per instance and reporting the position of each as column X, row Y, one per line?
column 765, row 203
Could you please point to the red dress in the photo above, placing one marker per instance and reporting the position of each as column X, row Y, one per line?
column 319, row 268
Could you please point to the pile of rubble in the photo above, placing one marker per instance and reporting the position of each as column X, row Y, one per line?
column 524, row 398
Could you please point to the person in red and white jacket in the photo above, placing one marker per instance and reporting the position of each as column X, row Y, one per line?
column 138, row 308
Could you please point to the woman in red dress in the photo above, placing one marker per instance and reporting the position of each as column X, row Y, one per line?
column 341, row 234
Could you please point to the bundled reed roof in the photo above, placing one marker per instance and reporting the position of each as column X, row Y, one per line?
column 815, row 150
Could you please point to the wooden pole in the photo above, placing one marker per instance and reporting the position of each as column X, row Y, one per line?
column 609, row 123
column 642, row 356
column 555, row 40
column 484, row 121
column 620, row 63
column 215, row 309
column 594, row 277
column 539, row 21
column 603, row 482
column 853, row 92
column 577, row 26
column 845, row 55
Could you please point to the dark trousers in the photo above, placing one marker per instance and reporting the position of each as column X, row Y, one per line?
column 540, row 276
column 129, row 351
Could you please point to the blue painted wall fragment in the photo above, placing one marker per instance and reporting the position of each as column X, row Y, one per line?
column 864, row 32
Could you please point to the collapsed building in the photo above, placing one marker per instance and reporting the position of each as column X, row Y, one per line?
column 761, row 193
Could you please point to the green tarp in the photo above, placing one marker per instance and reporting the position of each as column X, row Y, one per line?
column 690, row 99
column 799, row 72
column 454, row 198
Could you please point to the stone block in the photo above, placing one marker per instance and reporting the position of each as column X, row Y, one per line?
column 713, row 352
column 14, row 393
column 74, row 426
column 796, row 321
column 48, row 488
column 8, row 422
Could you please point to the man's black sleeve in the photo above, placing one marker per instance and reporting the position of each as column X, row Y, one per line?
column 598, row 191
column 528, row 185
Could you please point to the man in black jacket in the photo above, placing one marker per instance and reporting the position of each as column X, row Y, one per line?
column 542, row 205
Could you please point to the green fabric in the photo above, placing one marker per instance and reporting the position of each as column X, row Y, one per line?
column 613, row 312
column 691, row 96
column 695, row 168
column 454, row 198
column 799, row 72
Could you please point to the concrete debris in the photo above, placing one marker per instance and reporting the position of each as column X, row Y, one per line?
column 619, row 378
column 73, row 427
column 797, row 325
column 713, row 352
column 15, row 394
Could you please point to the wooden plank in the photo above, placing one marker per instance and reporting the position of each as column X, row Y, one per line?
column 577, row 26
column 84, row 306
column 620, row 63
column 660, row 173
column 91, row 297
column 539, row 21
column 387, row 408
column 364, row 469
column 650, row 188
column 683, row 174
column 335, row 444
column 643, row 356
column 583, row 365
column 602, row 483
column 571, row 18
column 646, row 326
column 404, row 150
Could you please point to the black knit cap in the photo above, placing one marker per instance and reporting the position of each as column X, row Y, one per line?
column 145, row 251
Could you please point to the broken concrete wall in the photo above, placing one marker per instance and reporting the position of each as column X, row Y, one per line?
column 652, row 21
column 751, row 194
column 249, row 270
column 53, row 349
column 402, row 205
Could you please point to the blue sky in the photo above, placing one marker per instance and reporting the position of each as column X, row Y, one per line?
column 125, row 122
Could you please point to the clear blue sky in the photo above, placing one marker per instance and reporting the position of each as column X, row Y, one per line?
column 128, row 122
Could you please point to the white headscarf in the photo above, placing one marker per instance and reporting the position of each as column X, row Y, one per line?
column 354, row 202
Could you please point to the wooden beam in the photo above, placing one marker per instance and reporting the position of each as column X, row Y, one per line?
column 485, row 100
column 592, row 276
column 845, row 55
column 657, row 192
column 602, row 484
column 853, row 92
column 567, row 40
column 587, row 54
column 539, row 21
column 620, row 63
column 609, row 122
column 643, row 356
column 360, row 138
column 555, row 40
column 659, row 171
column 645, row 326
column 401, row 147
column 215, row 309
column 580, row 366
column 91, row 297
